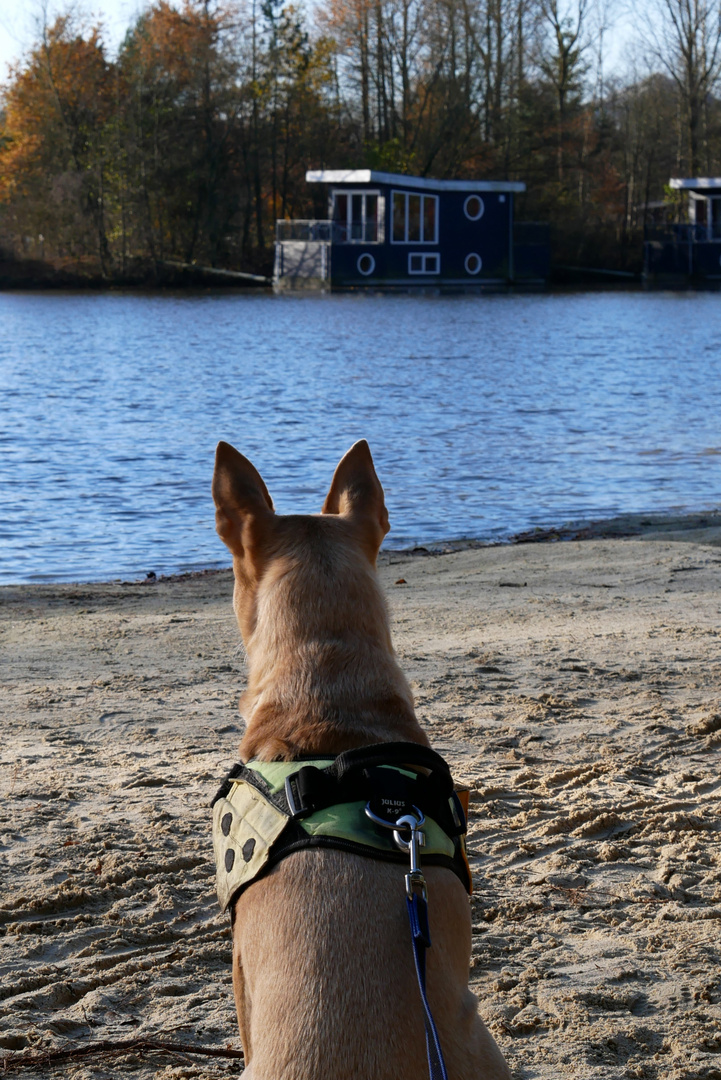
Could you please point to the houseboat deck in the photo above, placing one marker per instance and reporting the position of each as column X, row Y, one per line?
column 689, row 250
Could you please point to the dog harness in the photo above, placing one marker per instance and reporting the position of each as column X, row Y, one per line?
column 264, row 811
column 385, row 802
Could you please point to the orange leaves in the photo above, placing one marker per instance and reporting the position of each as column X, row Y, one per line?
column 169, row 45
column 51, row 104
column 344, row 17
column 179, row 51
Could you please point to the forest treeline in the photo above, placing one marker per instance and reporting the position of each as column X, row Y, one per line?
column 190, row 142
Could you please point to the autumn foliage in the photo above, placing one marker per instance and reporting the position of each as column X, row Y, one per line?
column 195, row 138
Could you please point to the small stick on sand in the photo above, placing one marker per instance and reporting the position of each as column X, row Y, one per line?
column 28, row 1061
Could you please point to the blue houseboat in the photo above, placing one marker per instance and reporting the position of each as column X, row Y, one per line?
column 691, row 249
column 389, row 231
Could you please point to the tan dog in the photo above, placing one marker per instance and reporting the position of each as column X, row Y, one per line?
column 323, row 971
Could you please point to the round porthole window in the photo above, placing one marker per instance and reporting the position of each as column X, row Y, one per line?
column 473, row 207
column 366, row 264
column 473, row 263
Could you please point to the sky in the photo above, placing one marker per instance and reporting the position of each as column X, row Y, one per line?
column 20, row 19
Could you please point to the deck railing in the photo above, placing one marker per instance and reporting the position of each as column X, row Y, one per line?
column 684, row 234
column 302, row 229
column 355, row 232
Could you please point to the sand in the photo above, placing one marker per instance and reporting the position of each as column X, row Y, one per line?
column 575, row 687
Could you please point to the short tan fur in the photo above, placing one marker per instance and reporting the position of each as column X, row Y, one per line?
column 323, row 973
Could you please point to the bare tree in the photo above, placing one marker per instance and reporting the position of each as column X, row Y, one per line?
column 562, row 58
column 686, row 40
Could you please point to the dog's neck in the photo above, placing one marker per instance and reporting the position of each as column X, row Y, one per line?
column 322, row 676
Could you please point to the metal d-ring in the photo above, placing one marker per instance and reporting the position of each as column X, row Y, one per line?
column 415, row 824
column 415, row 881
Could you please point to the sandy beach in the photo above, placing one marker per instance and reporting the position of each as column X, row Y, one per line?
column 575, row 687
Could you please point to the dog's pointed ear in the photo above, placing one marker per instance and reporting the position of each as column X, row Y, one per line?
column 243, row 508
column 356, row 493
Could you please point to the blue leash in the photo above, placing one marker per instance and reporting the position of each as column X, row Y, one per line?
column 417, row 904
column 420, row 934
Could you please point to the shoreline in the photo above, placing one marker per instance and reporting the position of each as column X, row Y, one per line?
column 575, row 689
column 699, row 526
column 620, row 526
column 43, row 278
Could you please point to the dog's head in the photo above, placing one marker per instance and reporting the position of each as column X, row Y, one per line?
column 322, row 673
column 353, row 521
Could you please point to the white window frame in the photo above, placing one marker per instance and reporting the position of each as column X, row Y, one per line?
column 422, row 196
column 349, row 192
column 425, row 257
column 713, row 228
column 466, row 261
column 481, row 212
column 371, row 269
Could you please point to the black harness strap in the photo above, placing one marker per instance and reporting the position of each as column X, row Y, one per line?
column 393, row 753
column 358, row 776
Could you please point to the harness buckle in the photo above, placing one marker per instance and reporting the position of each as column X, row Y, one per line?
column 293, row 797
column 309, row 789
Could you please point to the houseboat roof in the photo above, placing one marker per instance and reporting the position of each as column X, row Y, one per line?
column 370, row 176
column 696, row 183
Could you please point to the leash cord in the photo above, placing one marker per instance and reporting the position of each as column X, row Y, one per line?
column 420, row 935
column 417, row 904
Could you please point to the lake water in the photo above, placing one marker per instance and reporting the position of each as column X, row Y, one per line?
column 485, row 415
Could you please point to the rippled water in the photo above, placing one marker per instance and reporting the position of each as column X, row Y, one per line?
column 485, row 415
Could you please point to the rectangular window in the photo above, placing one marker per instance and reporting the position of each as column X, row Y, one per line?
column 340, row 209
column 429, row 220
column 371, row 218
column 714, row 219
column 357, row 217
column 424, row 262
column 399, row 217
column 415, row 218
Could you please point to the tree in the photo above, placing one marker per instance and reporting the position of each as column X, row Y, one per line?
column 561, row 60
column 687, row 42
column 54, row 156
column 181, row 115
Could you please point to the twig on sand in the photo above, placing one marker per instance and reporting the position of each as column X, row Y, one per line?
column 50, row 1057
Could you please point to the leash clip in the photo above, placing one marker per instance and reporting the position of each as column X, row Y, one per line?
column 415, row 881
column 412, row 823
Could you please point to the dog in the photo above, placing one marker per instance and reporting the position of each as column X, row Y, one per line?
column 323, row 971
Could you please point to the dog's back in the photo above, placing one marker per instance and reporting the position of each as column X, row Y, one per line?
column 323, row 968
column 324, row 978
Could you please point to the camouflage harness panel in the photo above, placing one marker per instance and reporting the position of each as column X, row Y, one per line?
column 255, row 825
